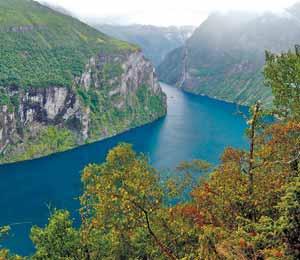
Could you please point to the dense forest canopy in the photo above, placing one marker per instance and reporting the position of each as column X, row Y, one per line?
column 40, row 47
column 248, row 207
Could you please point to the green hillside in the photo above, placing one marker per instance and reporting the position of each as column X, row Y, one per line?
column 63, row 83
column 40, row 47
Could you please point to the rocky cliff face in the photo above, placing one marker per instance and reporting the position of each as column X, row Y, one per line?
column 114, row 93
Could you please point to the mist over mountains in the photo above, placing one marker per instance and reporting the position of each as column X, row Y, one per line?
column 156, row 42
column 224, row 58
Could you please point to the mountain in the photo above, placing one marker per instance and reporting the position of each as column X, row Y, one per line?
column 63, row 83
column 224, row 57
column 57, row 8
column 156, row 42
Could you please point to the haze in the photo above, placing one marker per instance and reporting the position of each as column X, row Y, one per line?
column 162, row 12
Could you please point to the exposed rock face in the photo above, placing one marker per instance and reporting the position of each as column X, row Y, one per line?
column 115, row 78
column 23, row 28
column 138, row 71
column 45, row 105
column 7, row 127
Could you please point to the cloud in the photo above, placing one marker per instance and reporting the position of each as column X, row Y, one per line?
column 164, row 12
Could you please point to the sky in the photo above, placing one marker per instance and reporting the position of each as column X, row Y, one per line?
column 163, row 12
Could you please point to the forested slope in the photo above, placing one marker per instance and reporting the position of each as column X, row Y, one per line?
column 224, row 57
column 63, row 83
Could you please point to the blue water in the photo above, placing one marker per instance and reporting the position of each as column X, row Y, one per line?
column 195, row 127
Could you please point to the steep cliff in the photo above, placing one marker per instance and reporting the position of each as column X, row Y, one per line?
column 63, row 84
column 224, row 58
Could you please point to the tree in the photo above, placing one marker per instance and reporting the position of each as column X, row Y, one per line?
column 289, row 221
column 120, row 204
column 280, row 148
column 249, row 170
column 282, row 74
column 57, row 240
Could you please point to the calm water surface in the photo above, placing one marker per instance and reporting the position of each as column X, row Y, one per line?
column 195, row 127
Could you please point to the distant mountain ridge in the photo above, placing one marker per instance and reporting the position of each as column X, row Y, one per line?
column 156, row 42
column 224, row 57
